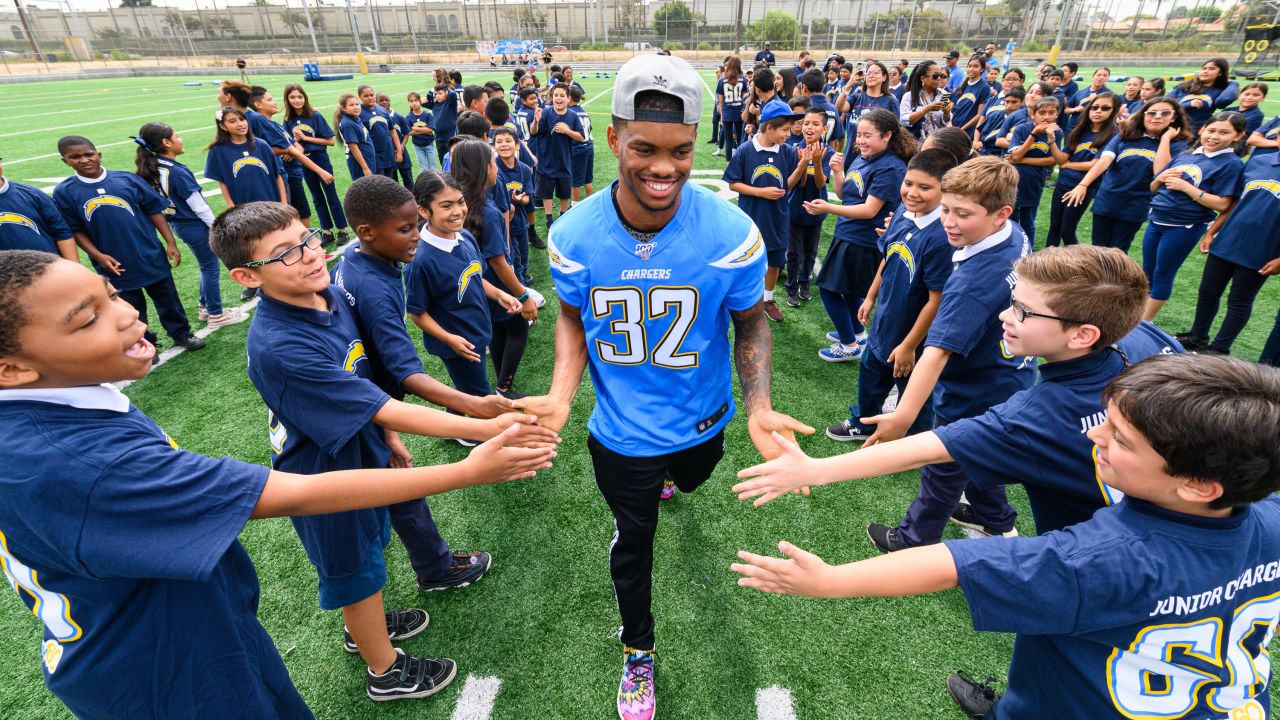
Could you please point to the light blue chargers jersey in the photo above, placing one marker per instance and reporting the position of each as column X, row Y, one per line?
column 656, row 316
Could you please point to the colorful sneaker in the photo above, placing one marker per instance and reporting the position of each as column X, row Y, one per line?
column 202, row 313
column 668, row 489
column 635, row 692
column 833, row 337
column 975, row 698
column 885, row 538
column 401, row 624
column 465, row 568
column 771, row 311
column 410, row 677
column 842, row 353
column 228, row 316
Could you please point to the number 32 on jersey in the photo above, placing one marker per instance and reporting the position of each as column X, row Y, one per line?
column 634, row 315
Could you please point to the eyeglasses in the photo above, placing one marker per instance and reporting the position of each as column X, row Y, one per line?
column 1158, row 113
column 939, row 76
column 292, row 254
column 1021, row 313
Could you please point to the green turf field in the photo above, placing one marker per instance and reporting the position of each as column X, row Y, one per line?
column 543, row 621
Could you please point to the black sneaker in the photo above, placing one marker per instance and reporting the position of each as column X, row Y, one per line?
column 965, row 517
column 465, row 442
column 526, row 280
column 805, row 294
column 328, row 240
column 190, row 342
column 248, row 294
column 975, row 698
column 844, row 431
column 410, row 677
column 793, row 299
column 885, row 538
column 343, row 237
column 1192, row 343
column 534, row 240
column 511, row 393
column 401, row 624
column 464, row 569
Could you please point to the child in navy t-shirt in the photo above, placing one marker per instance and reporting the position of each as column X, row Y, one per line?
column 557, row 128
column 1034, row 149
column 1187, row 561
column 805, row 231
column 516, row 181
column 30, row 221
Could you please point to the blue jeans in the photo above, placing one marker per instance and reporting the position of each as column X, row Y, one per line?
column 843, row 310
column 1025, row 216
column 196, row 236
column 1164, row 249
column 875, row 378
column 427, row 157
column 328, row 204
column 731, row 135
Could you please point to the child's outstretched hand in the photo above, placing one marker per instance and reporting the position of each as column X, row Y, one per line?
column 496, row 460
column 530, row 434
column 462, row 348
column 787, row 472
column 800, row 573
column 817, row 206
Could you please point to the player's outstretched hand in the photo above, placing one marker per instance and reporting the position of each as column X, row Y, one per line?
column 799, row 573
column 889, row 426
column 497, row 461
column 488, row 407
column 552, row 413
column 530, row 433
column 764, row 424
column 788, row 471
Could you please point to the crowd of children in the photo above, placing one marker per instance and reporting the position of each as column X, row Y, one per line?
column 1042, row 369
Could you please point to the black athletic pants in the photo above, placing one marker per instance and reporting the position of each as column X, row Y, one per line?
column 631, row 486
column 168, row 306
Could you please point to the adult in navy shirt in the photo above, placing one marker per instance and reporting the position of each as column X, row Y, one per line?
column 1244, row 252
column 115, row 216
column 1145, row 145
column 1206, row 93
column 30, row 221
column 140, row 541
column 859, row 101
column 766, row 56
column 1195, row 186
column 378, row 121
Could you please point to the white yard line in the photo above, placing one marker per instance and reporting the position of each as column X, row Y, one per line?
column 476, row 700
column 774, row 703
column 63, row 129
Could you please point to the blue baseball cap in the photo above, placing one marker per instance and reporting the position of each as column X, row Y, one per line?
column 775, row 109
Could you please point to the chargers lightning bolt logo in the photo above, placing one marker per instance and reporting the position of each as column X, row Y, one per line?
column 355, row 353
column 1270, row 186
column 249, row 161
column 104, row 201
column 901, row 250
column 464, row 280
column 13, row 218
column 770, row 171
column 1137, row 152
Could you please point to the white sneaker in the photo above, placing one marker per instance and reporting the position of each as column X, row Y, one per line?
column 229, row 316
column 717, row 153
column 538, row 299
column 202, row 313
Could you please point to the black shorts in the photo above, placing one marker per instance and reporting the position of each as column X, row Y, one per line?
column 849, row 269
column 547, row 187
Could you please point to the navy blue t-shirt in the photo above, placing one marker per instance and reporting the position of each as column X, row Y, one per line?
column 1211, row 100
column 1250, row 236
column 378, row 121
column 587, row 146
column 419, row 120
column 1031, row 179
column 1038, row 437
column 1125, row 191
column 115, row 213
column 860, row 104
column 880, row 177
column 518, row 179
column 555, row 150
column 523, row 117
column 125, row 548
column 270, row 132
column 1138, row 612
column 1084, row 151
column 734, row 96
column 29, row 220
column 178, row 183
column 981, row 372
column 992, row 128
column 835, row 130
column 314, row 126
column 492, row 243
column 447, row 285
column 764, row 168
column 1270, row 130
column 354, row 132
column 969, row 101
column 378, row 289
column 1218, row 175
column 248, row 172
column 446, row 114
column 807, row 189
column 917, row 259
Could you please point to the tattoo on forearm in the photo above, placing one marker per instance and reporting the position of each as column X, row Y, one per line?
column 753, row 356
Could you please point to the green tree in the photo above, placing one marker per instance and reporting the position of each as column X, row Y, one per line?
column 1000, row 19
column 929, row 25
column 108, row 33
column 1207, row 13
column 776, row 27
column 135, row 3
column 675, row 20
column 297, row 20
